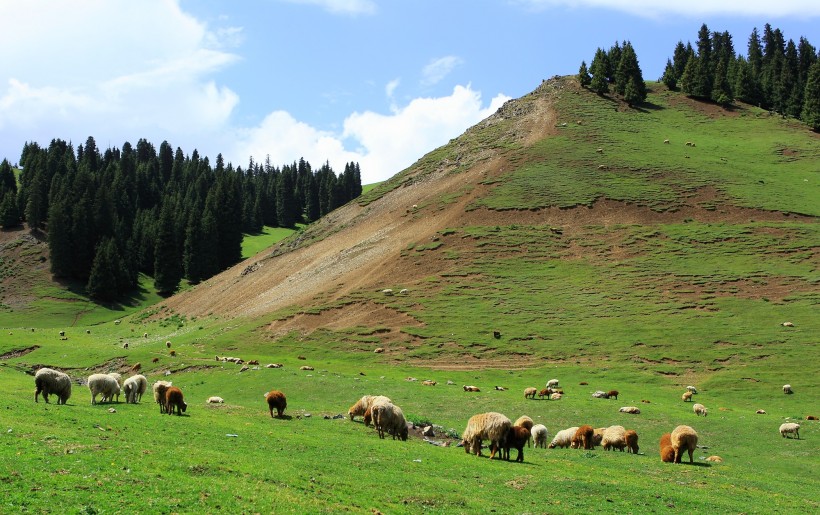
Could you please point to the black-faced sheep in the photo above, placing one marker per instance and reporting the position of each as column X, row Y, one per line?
column 104, row 385
column 631, row 441
column 529, row 393
column 134, row 387
column 614, row 438
column 583, row 438
column 539, row 435
column 700, row 409
column 684, row 438
column 667, row 452
column 517, row 438
column 390, row 418
column 277, row 400
column 486, row 426
column 160, row 387
column 49, row 381
column 790, row 428
column 563, row 438
column 174, row 401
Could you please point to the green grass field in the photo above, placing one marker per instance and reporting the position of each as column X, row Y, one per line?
column 644, row 308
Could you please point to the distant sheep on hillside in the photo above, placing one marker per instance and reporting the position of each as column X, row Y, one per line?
column 700, row 409
column 787, row 389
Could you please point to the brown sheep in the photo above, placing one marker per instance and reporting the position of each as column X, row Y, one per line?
column 686, row 397
column 517, row 438
column 524, row 421
column 631, row 441
column 174, row 400
column 160, row 388
column 667, row 452
column 613, row 393
column 529, row 393
column 136, row 368
column 276, row 399
column 368, row 417
column 584, row 438
column 684, row 438
column 545, row 392
column 155, row 360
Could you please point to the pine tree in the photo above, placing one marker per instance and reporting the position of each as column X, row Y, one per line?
column 811, row 98
column 789, row 87
column 629, row 75
column 285, row 201
column 9, row 214
column 599, row 83
column 669, row 78
column 722, row 92
column 108, row 278
column 613, row 57
column 60, row 238
column 583, row 75
column 167, row 261
column 679, row 58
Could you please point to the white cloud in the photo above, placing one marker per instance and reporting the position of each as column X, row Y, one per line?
column 436, row 70
column 384, row 144
column 341, row 6
column 692, row 8
column 390, row 88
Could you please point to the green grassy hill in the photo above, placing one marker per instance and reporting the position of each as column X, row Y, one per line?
column 601, row 256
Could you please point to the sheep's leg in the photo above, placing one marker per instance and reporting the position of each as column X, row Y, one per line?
column 691, row 455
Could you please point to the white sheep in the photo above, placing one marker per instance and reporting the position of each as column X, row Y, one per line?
column 692, row 389
column 118, row 377
column 563, row 438
column 600, row 395
column 104, row 385
column 790, row 428
column 160, row 387
column 614, row 438
column 552, row 383
column 49, row 381
column 134, row 387
column 556, row 396
column 700, row 409
column 540, row 435
column 389, row 417
column 215, row 400
column 490, row 426
column 787, row 389
column 632, row 410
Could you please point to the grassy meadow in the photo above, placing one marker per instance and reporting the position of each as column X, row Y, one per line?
column 644, row 308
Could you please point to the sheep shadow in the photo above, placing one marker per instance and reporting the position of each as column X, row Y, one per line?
column 283, row 417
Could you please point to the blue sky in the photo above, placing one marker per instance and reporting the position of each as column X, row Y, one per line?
column 381, row 82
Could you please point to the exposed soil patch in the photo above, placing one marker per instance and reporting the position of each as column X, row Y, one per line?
column 20, row 352
column 358, row 314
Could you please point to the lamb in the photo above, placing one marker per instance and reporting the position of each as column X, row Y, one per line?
column 598, row 436
column 530, row 392
column 686, row 397
column 539, row 435
column 389, row 417
column 215, row 400
column 667, row 452
column 517, row 437
column 583, row 438
column 684, row 438
column 552, row 383
column 631, row 441
column 700, row 409
column 160, row 387
column 787, row 389
column 614, row 438
column 276, row 399
column 49, row 381
column 134, row 387
column 600, row 395
column 360, row 407
column 563, row 438
column 174, row 401
column 491, row 426
column 556, row 396
column 632, row 410
column 790, row 428
column 104, row 385
column 613, row 393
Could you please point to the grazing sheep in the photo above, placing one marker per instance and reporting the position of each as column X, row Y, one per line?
column 811, row 417
column 614, row 438
column 690, row 144
column 136, row 368
column 666, row 142
column 387, row 291
column 598, row 435
column 160, row 387
column 760, row 412
column 172, row 352
column 168, row 344
column 552, row 383
column 790, row 428
column 125, row 345
column 686, row 397
column 645, row 401
column 500, row 388
column 174, row 401
column 378, row 350
column 632, row 410
column 274, row 365
column 305, row 367
column 429, row 382
column 583, row 438
column 600, row 394
column 134, row 387
column 104, row 385
column 631, row 441
column 62, row 333
column 545, row 392
column 692, row 389
column 787, row 389
column 368, row 417
column 563, row 438
column 253, row 362
column 700, row 409
column 389, row 417
column 613, row 393
column 491, row 426
column 470, row 388
column 784, row 324
column 215, row 400
column 524, row 421
column 539, row 435
column 49, row 381
column 684, row 438
column 118, row 377
column 715, row 459
column 530, row 392
column 276, row 399
column 360, row 407
column 145, row 335
column 667, row 452
column 556, row 396
column 583, row 383
column 517, row 438
column 599, row 150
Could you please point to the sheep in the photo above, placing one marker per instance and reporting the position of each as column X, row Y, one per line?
column 552, row 383
column 276, row 399
column 599, row 150
column 631, row 441
column 378, row 350
column 517, row 437
column 692, row 389
column 563, row 438
column 49, row 381
column 545, row 392
column 168, row 344
column 690, row 144
column 700, row 409
column 790, row 428
column 684, row 438
column 556, row 396
column 760, row 412
column 530, row 392
column 429, row 382
column 787, row 324
column 613, row 393
column 134, row 387
column 389, row 417
column 306, row 367
column 387, row 291
column 583, row 438
column 155, row 360
column 787, row 389
column 686, row 397
column 666, row 142
column 539, row 435
column 523, row 421
column 470, row 388
column 145, row 335
column 136, row 368
column 274, row 365
column 632, row 410
column 715, row 459
column 172, row 352
column 215, row 400
column 160, row 387
column 598, row 436
column 614, row 438
column 491, row 426
column 253, row 362
column 118, row 377
column 600, row 395
column 358, row 409
column 174, row 401
column 104, row 385
column 667, row 452
column 368, row 417
column 811, row 417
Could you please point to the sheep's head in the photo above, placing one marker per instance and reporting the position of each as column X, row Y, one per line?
column 184, row 406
